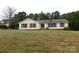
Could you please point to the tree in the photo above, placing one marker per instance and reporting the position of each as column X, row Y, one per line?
column 31, row 15
column 52, row 15
column 9, row 13
column 17, row 18
column 56, row 15
column 42, row 15
column 73, row 19
column 48, row 16
column 21, row 16
column 35, row 16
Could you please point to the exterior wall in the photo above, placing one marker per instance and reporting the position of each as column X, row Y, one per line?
column 46, row 25
column 38, row 26
column 65, row 25
column 28, row 21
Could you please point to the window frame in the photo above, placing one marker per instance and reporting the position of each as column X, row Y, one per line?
column 32, row 25
column 24, row 25
column 52, row 24
column 61, row 24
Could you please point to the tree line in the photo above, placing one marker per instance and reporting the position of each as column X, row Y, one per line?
column 73, row 18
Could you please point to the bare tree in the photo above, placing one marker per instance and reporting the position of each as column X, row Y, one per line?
column 9, row 13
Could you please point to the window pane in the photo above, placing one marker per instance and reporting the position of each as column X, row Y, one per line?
column 61, row 24
column 51, row 24
column 54, row 24
column 24, row 25
column 32, row 25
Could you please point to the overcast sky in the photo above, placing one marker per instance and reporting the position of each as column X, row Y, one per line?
column 36, row 6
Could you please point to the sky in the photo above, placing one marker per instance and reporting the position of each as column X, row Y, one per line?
column 36, row 6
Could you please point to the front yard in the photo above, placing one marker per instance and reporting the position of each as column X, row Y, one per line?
column 39, row 41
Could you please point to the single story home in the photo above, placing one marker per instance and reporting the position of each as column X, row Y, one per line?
column 5, row 22
column 43, row 24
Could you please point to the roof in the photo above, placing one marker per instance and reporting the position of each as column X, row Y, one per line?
column 5, row 20
column 25, row 20
column 48, row 21
column 53, row 21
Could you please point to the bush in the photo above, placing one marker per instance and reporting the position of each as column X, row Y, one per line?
column 66, row 28
column 47, row 28
column 14, row 26
column 3, row 27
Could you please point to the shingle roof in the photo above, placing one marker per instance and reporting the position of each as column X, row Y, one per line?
column 5, row 20
column 53, row 21
column 49, row 21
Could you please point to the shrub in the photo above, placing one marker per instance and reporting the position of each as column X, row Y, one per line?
column 47, row 28
column 14, row 26
column 3, row 27
column 66, row 28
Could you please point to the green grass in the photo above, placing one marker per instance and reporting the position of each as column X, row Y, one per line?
column 38, row 41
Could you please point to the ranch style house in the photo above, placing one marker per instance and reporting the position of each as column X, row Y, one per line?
column 43, row 24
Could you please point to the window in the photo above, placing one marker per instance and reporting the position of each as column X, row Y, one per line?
column 24, row 25
column 51, row 24
column 32, row 25
column 61, row 24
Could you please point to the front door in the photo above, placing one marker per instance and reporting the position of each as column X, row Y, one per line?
column 42, row 26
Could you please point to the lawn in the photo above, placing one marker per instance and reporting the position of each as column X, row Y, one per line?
column 34, row 41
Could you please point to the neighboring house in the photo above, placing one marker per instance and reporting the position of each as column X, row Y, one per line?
column 43, row 24
column 5, row 22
